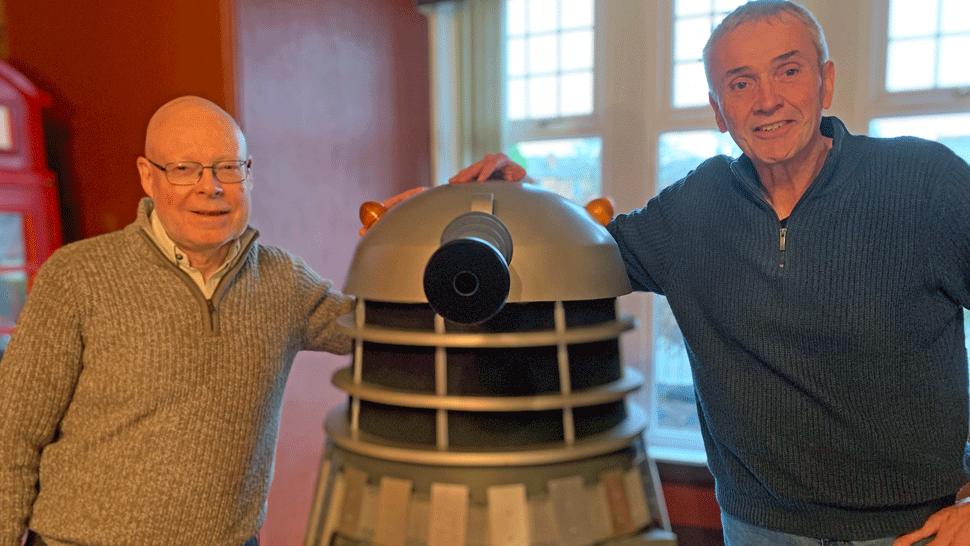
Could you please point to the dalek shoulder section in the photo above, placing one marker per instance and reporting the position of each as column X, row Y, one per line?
column 552, row 249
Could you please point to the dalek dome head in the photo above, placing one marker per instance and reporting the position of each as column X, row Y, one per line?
column 466, row 249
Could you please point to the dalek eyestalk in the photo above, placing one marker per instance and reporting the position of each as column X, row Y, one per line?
column 467, row 279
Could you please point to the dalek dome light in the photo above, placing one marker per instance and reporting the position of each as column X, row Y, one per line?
column 553, row 249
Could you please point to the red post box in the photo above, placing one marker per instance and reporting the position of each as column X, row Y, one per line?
column 30, row 225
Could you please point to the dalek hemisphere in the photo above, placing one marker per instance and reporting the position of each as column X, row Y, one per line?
column 487, row 400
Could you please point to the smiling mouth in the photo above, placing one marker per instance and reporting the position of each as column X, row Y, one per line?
column 771, row 127
column 211, row 212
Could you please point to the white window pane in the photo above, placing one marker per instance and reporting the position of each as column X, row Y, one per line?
column 11, row 239
column 690, row 85
column 13, row 294
column 543, row 15
column 515, row 57
column 690, row 35
column 577, row 50
column 569, row 167
column 727, row 6
column 515, row 101
column 691, row 7
column 956, row 16
column 515, row 17
column 681, row 151
column 910, row 64
column 577, row 13
column 912, row 18
column 543, row 97
column 954, row 66
column 672, row 380
column 953, row 130
column 543, row 54
column 577, row 93
column 678, row 153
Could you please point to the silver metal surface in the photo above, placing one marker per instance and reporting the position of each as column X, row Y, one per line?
column 614, row 439
column 560, row 252
column 630, row 382
column 426, row 338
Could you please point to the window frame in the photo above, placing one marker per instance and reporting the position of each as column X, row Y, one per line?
column 561, row 127
column 884, row 103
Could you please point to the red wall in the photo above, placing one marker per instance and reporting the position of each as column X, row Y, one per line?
column 334, row 97
column 694, row 513
column 108, row 67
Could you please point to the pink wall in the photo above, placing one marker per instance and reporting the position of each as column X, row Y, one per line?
column 334, row 97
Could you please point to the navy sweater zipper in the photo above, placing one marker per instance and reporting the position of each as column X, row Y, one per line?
column 782, row 235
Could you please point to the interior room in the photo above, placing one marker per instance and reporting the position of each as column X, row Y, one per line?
column 344, row 102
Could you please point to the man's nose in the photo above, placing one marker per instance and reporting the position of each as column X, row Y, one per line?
column 208, row 183
column 768, row 98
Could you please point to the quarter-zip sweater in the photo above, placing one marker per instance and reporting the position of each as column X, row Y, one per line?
column 828, row 355
column 133, row 410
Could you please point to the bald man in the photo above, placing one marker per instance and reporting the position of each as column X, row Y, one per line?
column 141, row 390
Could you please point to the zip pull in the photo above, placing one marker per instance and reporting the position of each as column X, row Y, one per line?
column 782, row 235
column 212, row 315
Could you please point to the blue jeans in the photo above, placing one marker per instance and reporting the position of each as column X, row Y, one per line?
column 739, row 533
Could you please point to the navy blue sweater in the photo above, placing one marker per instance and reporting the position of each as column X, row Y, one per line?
column 830, row 371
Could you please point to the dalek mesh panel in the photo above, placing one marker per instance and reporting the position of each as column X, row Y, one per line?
column 487, row 400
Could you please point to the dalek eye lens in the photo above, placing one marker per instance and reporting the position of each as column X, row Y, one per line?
column 465, row 283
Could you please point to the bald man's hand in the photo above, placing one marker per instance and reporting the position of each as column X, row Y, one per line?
column 491, row 167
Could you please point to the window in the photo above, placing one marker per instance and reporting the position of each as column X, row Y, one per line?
column 645, row 122
column 567, row 166
column 953, row 130
column 675, row 411
column 13, row 274
column 685, row 136
column 549, row 94
column 927, row 45
column 549, row 58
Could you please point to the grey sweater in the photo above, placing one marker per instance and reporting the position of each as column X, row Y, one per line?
column 133, row 410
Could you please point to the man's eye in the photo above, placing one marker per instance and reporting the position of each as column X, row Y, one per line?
column 791, row 72
column 739, row 86
column 182, row 168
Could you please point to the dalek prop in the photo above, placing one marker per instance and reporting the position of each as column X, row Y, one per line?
column 487, row 398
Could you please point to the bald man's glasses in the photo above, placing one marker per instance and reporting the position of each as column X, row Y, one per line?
column 188, row 173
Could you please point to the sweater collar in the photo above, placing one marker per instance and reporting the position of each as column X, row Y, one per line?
column 832, row 127
column 143, row 223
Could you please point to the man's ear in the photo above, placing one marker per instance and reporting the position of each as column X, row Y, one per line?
column 145, row 174
column 828, row 84
column 717, row 112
